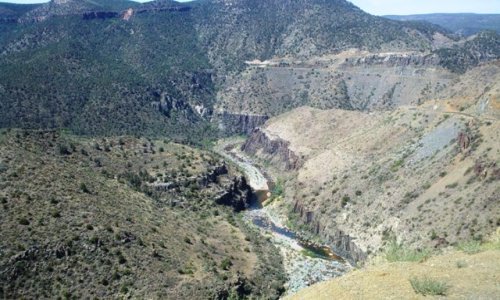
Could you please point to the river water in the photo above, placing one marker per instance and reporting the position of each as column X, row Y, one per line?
column 306, row 263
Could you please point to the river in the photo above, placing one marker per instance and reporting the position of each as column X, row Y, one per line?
column 305, row 263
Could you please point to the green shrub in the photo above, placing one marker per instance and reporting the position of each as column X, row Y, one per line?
column 24, row 221
column 277, row 190
column 84, row 188
column 226, row 264
column 427, row 286
column 398, row 252
column 345, row 199
column 470, row 247
column 461, row 264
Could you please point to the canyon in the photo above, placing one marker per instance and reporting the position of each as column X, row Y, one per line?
column 242, row 149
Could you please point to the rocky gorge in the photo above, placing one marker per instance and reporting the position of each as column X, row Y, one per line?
column 305, row 262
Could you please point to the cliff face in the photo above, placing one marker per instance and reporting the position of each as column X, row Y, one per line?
column 341, row 242
column 395, row 60
column 231, row 123
column 275, row 149
column 238, row 194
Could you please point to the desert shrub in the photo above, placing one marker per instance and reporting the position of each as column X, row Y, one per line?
column 226, row 264
column 461, row 264
column 427, row 286
column 398, row 252
column 470, row 247
column 345, row 199
column 84, row 188
column 3, row 168
column 24, row 221
column 63, row 149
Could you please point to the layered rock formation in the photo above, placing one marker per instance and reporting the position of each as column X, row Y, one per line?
column 234, row 123
column 274, row 148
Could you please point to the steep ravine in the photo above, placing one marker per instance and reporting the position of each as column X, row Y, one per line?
column 306, row 263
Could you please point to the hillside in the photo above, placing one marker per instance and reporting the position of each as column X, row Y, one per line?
column 353, row 79
column 107, row 76
column 239, row 30
column 464, row 276
column 463, row 24
column 125, row 217
column 426, row 175
column 162, row 67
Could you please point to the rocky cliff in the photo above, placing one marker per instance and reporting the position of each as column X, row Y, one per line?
column 238, row 195
column 271, row 148
column 339, row 241
column 234, row 123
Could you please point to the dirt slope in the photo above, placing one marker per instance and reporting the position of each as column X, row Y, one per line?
column 469, row 277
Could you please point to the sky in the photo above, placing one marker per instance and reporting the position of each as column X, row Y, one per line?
column 400, row 7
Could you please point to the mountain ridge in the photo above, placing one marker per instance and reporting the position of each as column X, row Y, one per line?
column 460, row 23
column 186, row 52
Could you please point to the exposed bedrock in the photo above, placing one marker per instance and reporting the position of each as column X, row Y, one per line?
column 393, row 60
column 341, row 242
column 275, row 149
column 233, row 123
column 238, row 195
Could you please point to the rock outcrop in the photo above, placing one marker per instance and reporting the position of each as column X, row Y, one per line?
column 464, row 140
column 394, row 60
column 276, row 149
column 100, row 15
column 341, row 242
column 231, row 123
column 168, row 104
column 239, row 195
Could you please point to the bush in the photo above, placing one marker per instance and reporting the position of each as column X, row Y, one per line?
column 345, row 200
column 3, row 168
column 277, row 190
column 226, row 264
column 83, row 188
column 470, row 247
column 397, row 252
column 426, row 286
column 461, row 264
column 63, row 149
column 24, row 221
